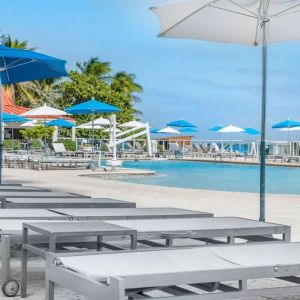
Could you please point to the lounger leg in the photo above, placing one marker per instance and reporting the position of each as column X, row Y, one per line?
column 230, row 240
column 5, row 257
column 49, row 287
column 169, row 242
column 287, row 235
column 99, row 243
column 133, row 241
column 24, row 265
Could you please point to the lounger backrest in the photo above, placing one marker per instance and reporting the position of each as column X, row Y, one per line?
column 59, row 147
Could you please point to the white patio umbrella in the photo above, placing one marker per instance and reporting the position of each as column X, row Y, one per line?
column 44, row 111
column 231, row 129
column 132, row 124
column 30, row 124
column 101, row 121
column 168, row 130
column 89, row 125
column 255, row 23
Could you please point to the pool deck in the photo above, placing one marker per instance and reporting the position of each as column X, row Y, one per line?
column 280, row 208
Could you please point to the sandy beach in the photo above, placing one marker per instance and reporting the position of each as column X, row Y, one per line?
column 283, row 209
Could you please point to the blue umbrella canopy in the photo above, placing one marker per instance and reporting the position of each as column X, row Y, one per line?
column 19, row 65
column 188, row 130
column 155, row 130
column 251, row 131
column 91, row 107
column 60, row 123
column 11, row 118
column 286, row 124
column 216, row 128
column 181, row 123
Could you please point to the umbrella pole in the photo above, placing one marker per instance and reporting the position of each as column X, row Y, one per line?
column 263, row 125
column 93, row 117
column 45, row 137
column 12, row 138
column 1, row 136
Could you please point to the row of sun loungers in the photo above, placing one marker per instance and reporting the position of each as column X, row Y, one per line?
column 108, row 249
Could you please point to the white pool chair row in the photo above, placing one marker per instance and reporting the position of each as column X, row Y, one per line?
column 208, row 273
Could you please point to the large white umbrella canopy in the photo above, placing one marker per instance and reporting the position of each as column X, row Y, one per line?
column 132, row 124
column 44, row 110
column 238, row 22
column 249, row 22
column 168, row 130
column 231, row 129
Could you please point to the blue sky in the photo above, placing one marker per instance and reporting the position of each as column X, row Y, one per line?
column 202, row 82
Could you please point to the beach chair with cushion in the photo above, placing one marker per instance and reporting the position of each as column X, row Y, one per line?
column 207, row 273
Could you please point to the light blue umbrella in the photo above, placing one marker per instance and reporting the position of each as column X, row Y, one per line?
column 188, row 130
column 216, row 128
column 60, row 123
column 92, row 107
column 11, row 118
column 286, row 124
column 181, row 123
column 251, row 131
column 17, row 65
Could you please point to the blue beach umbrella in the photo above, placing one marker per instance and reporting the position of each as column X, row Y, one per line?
column 251, row 131
column 188, row 130
column 216, row 128
column 155, row 130
column 11, row 118
column 17, row 65
column 60, row 123
column 286, row 124
column 181, row 123
column 92, row 107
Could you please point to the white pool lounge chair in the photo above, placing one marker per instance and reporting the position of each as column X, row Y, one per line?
column 181, row 274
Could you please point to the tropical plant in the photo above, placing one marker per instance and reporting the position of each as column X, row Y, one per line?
column 95, row 67
column 37, row 132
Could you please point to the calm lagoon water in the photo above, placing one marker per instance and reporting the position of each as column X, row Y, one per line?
column 216, row 176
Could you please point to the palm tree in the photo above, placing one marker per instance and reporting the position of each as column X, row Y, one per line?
column 95, row 67
column 22, row 93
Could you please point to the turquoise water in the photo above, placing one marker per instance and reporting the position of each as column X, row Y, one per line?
column 222, row 177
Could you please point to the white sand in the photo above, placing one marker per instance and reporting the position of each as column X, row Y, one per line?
column 283, row 209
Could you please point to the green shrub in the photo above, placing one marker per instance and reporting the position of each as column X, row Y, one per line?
column 36, row 144
column 69, row 145
column 11, row 144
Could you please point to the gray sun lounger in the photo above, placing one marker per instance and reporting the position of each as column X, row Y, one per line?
column 23, row 214
column 201, row 229
column 64, row 202
column 13, row 188
column 38, row 194
column 131, row 213
column 207, row 230
column 206, row 273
